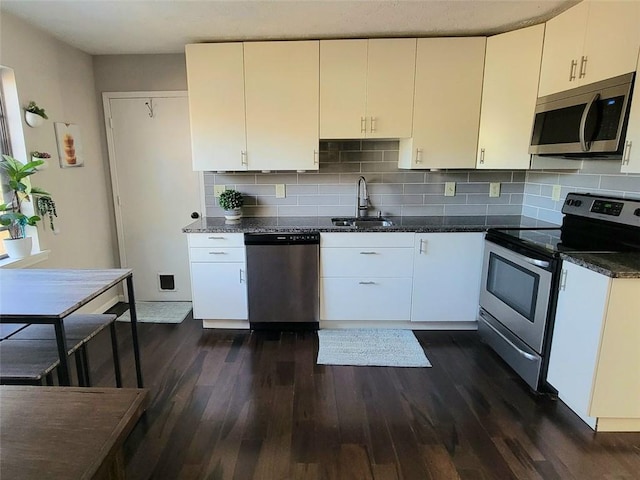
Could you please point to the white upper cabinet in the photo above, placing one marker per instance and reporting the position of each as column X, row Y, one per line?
column 446, row 108
column 591, row 41
column 509, row 95
column 215, row 77
column 631, row 155
column 281, row 91
column 366, row 88
column 254, row 106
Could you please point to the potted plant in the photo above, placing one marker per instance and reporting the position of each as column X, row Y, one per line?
column 231, row 202
column 17, row 173
column 44, row 156
column 34, row 115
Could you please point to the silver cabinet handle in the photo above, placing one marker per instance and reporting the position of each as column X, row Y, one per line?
column 217, row 253
column 627, row 152
column 422, row 250
column 583, row 67
column 363, row 125
column 367, row 283
column 526, row 355
column 482, row 156
column 241, row 278
column 373, row 124
column 584, row 144
column 316, row 159
column 563, row 280
column 243, row 157
column 572, row 70
column 368, row 253
column 216, row 238
column 418, row 155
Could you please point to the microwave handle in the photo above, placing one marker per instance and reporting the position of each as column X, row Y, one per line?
column 583, row 123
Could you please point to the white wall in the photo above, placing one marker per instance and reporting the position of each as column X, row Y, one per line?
column 60, row 79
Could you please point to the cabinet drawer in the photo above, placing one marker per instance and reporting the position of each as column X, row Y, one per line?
column 366, row 262
column 216, row 239
column 217, row 254
column 366, row 298
column 367, row 239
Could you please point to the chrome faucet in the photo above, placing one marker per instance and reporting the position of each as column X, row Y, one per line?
column 362, row 201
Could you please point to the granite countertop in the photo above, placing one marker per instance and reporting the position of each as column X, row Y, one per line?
column 614, row 265
column 400, row 224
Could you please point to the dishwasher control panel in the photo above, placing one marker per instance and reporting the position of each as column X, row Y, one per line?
column 284, row 238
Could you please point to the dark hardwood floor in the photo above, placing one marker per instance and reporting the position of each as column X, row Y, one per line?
column 241, row 405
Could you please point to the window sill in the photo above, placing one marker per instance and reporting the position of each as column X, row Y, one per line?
column 26, row 261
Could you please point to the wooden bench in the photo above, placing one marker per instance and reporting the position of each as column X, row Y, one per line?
column 79, row 329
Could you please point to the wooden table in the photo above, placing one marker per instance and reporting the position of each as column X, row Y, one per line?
column 47, row 296
column 66, row 433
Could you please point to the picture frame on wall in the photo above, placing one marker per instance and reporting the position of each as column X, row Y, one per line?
column 69, row 145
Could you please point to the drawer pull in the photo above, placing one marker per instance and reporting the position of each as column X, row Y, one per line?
column 217, row 253
column 368, row 253
column 216, row 238
column 367, row 283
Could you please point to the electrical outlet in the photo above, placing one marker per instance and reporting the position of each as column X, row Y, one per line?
column 494, row 189
column 450, row 189
column 218, row 189
column 280, row 191
column 555, row 194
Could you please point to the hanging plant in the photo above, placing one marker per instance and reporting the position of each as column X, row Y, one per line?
column 47, row 208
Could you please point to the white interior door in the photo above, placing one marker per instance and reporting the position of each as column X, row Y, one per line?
column 155, row 189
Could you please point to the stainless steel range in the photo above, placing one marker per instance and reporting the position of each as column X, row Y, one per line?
column 521, row 274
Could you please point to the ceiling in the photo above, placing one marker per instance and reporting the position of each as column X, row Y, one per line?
column 102, row 27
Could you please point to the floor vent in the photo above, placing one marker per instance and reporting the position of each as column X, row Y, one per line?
column 167, row 282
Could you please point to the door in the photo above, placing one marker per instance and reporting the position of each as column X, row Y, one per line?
column 155, row 190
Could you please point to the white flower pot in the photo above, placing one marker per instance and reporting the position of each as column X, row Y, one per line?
column 33, row 120
column 19, row 247
column 234, row 214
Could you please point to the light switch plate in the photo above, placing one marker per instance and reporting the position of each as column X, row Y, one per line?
column 494, row 189
column 555, row 194
column 218, row 189
column 280, row 191
column 450, row 189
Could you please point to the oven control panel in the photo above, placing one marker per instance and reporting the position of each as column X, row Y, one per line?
column 625, row 211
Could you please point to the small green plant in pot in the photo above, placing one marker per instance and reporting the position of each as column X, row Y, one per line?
column 35, row 115
column 12, row 213
column 231, row 202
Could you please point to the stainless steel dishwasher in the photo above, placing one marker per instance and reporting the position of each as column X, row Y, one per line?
column 282, row 280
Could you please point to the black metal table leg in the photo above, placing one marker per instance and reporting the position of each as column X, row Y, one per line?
column 63, row 368
column 134, row 329
column 85, row 364
column 116, row 356
column 80, row 370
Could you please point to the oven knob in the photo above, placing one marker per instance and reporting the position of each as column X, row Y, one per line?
column 637, row 212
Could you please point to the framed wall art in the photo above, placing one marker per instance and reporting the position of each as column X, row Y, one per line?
column 69, row 145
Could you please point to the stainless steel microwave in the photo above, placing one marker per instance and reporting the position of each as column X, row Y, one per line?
column 586, row 121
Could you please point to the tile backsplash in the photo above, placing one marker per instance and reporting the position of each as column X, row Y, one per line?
column 596, row 176
column 331, row 191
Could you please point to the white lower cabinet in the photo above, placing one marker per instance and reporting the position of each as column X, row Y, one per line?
column 446, row 277
column 595, row 361
column 365, row 276
column 218, row 276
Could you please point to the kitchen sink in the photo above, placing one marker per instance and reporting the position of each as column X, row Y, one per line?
column 361, row 222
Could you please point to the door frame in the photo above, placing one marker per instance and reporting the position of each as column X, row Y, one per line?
column 115, row 188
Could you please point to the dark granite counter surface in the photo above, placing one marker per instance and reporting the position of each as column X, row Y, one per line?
column 400, row 224
column 615, row 265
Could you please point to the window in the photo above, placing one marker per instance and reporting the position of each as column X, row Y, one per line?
column 5, row 148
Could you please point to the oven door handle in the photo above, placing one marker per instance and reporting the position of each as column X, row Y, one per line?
column 526, row 355
column 536, row 262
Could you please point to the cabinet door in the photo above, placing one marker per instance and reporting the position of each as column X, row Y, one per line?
column 282, row 104
column 509, row 98
column 446, row 106
column 631, row 156
column 215, row 78
column 446, row 277
column 611, row 41
column 563, row 45
column 343, row 88
column 390, row 80
column 219, row 291
column 582, row 302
